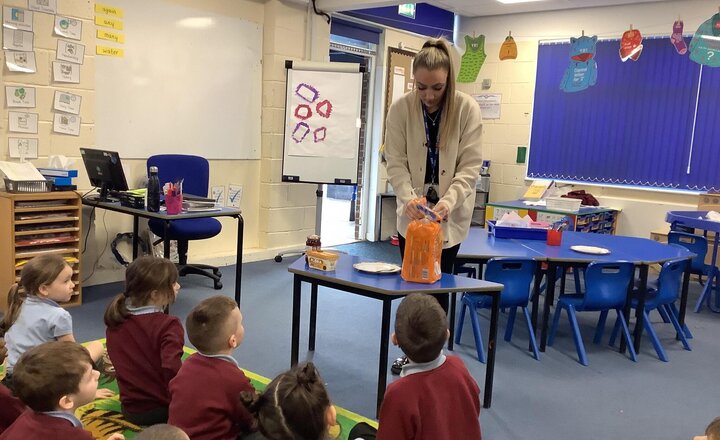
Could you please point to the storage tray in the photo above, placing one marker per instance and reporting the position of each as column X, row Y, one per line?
column 28, row 186
column 520, row 233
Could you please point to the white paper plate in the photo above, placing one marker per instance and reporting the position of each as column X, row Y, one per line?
column 377, row 267
column 590, row 250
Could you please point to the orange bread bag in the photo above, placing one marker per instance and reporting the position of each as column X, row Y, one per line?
column 423, row 249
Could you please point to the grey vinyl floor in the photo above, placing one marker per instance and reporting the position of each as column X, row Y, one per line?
column 554, row 398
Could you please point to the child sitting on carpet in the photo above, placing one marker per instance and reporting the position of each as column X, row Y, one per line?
column 34, row 315
column 10, row 406
column 162, row 432
column 712, row 432
column 145, row 344
column 295, row 405
column 205, row 393
column 433, row 388
column 54, row 379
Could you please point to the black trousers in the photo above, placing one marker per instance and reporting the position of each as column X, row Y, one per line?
column 447, row 265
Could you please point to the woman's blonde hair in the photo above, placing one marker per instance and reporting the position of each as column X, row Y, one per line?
column 434, row 55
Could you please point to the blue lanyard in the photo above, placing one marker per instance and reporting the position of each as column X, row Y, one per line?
column 432, row 148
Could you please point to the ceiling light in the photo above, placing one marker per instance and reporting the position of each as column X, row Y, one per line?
column 196, row 22
column 509, row 2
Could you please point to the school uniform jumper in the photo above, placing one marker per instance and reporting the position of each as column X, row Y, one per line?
column 53, row 425
column 431, row 401
column 206, row 398
column 10, row 408
column 146, row 351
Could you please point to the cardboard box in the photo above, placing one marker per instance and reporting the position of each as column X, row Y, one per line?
column 709, row 202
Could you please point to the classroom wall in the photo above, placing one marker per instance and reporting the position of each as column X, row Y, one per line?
column 643, row 211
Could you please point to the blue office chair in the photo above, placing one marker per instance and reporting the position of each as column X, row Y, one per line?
column 663, row 298
column 195, row 173
column 515, row 274
column 606, row 288
column 698, row 245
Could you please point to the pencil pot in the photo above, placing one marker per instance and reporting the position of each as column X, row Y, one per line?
column 423, row 249
column 173, row 203
column 554, row 238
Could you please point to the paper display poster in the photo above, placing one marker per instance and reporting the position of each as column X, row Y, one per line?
column 15, row 39
column 581, row 73
column 218, row 194
column 489, row 104
column 46, row 6
column 17, row 18
column 234, row 195
column 66, row 72
column 323, row 114
column 20, row 61
column 705, row 43
column 68, row 27
column 67, row 102
column 398, row 89
column 23, row 148
column 20, row 96
column 66, row 124
column 21, row 122
column 70, row 51
column 473, row 59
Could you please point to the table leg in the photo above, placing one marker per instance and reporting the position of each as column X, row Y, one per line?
column 295, row 344
column 535, row 300
column 239, row 258
column 492, row 344
column 166, row 241
column 639, row 316
column 549, row 298
column 384, row 341
column 136, row 223
column 453, row 299
column 313, row 316
column 378, row 217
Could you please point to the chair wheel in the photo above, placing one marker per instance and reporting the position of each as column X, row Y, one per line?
column 218, row 285
column 278, row 258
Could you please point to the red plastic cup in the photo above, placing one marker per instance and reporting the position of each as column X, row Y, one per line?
column 173, row 204
column 554, row 238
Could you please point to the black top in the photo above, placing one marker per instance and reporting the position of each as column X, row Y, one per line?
column 432, row 122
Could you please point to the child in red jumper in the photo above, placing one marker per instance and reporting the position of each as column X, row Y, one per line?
column 162, row 431
column 53, row 380
column 205, row 394
column 144, row 344
column 10, row 406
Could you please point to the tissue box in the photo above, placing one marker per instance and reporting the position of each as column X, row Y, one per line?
column 322, row 260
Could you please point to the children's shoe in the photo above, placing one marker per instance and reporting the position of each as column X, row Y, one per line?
column 396, row 366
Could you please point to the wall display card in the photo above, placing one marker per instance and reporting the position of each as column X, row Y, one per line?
column 15, row 39
column 66, row 72
column 20, row 61
column 68, row 27
column 21, row 122
column 70, row 51
column 489, row 104
column 218, row 194
column 23, row 148
column 234, row 195
column 109, row 10
column 110, row 36
column 67, row 102
column 46, row 6
column 66, row 124
column 20, row 96
column 17, row 18
column 108, row 51
column 109, row 23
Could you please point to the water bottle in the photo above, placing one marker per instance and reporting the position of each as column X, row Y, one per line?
column 153, row 191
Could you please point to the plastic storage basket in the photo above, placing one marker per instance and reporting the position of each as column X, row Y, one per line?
column 520, row 233
column 28, row 186
column 564, row 204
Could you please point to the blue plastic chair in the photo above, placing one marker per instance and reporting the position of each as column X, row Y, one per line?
column 698, row 245
column 194, row 171
column 515, row 274
column 663, row 298
column 606, row 288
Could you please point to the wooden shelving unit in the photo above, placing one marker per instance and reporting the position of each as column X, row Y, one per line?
column 36, row 224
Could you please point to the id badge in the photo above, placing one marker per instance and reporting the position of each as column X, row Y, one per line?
column 431, row 194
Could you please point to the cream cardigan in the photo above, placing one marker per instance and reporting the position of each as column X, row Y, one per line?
column 460, row 161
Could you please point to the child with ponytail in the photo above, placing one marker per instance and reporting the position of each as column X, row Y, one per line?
column 34, row 314
column 145, row 344
column 294, row 406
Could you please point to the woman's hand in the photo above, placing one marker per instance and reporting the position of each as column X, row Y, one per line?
column 103, row 393
column 411, row 208
column 442, row 210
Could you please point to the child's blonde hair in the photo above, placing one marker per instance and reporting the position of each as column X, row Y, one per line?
column 40, row 271
column 143, row 277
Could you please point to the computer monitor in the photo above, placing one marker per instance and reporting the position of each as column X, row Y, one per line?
column 104, row 170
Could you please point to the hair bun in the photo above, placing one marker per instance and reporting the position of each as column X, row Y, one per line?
column 307, row 375
column 252, row 401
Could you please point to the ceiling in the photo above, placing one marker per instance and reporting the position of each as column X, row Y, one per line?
column 479, row 8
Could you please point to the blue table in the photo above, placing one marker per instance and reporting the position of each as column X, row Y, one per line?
column 386, row 288
column 697, row 220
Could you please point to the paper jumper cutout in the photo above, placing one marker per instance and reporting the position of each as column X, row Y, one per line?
column 631, row 45
column 304, row 112
column 472, row 60
column 677, row 39
column 582, row 71
column 705, row 45
column 508, row 50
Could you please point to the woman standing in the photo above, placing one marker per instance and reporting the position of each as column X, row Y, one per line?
column 433, row 152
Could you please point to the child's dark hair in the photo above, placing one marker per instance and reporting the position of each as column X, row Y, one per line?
column 162, row 431
column 209, row 325
column 49, row 371
column 293, row 406
column 143, row 277
column 39, row 271
column 713, row 430
column 421, row 327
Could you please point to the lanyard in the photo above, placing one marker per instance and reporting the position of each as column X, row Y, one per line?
column 432, row 148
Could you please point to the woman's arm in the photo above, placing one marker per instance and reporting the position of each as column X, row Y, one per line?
column 398, row 169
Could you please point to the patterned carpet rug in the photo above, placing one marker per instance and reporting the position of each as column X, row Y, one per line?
column 104, row 417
